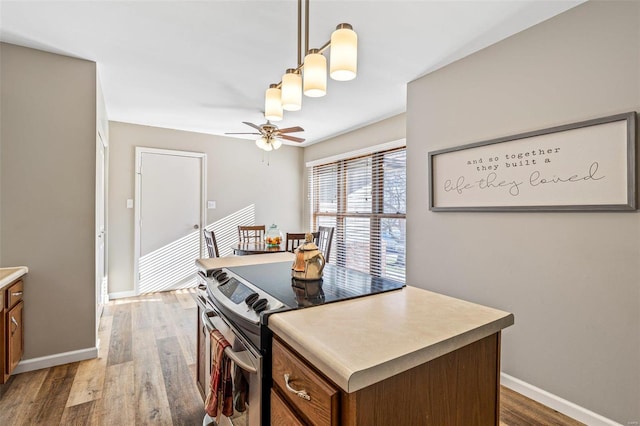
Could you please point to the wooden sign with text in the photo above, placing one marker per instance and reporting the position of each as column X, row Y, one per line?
column 582, row 166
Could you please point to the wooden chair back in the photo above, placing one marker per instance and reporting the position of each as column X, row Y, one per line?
column 324, row 239
column 294, row 239
column 210, row 242
column 251, row 233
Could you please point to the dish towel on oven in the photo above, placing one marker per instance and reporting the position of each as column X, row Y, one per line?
column 240, row 390
column 220, row 396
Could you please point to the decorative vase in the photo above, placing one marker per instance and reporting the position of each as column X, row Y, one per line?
column 273, row 237
column 309, row 261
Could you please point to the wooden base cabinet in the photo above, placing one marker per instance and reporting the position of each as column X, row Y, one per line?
column 312, row 398
column 460, row 388
column 281, row 414
column 12, row 329
column 15, row 337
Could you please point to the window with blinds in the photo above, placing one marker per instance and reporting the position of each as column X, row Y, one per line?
column 364, row 199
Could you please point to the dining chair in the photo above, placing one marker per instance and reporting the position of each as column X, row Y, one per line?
column 294, row 239
column 251, row 233
column 210, row 242
column 324, row 239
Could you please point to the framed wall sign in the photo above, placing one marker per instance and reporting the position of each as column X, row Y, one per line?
column 589, row 165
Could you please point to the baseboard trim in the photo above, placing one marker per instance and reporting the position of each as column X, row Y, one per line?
column 55, row 360
column 122, row 294
column 565, row 407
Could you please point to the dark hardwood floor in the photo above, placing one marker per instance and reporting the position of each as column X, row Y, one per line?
column 145, row 374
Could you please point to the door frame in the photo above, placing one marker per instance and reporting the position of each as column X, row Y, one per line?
column 102, row 156
column 137, row 207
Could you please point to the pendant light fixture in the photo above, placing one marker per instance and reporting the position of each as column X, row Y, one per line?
column 315, row 74
column 310, row 76
column 292, row 90
column 344, row 53
column 273, row 103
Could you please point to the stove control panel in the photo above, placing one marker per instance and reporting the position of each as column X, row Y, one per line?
column 239, row 295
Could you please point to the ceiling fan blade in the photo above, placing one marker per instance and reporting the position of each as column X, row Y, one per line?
column 255, row 126
column 291, row 138
column 291, row 129
column 243, row 133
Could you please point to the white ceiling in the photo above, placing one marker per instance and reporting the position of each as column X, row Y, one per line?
column 204, row 65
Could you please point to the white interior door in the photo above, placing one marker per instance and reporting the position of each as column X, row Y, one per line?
column 169, row 218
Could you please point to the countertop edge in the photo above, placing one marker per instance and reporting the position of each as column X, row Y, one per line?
column 19, row 272
column 353, row 378
column 350, row 380
column 362, row 379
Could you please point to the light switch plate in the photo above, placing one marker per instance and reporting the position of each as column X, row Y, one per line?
column 211, row 204
column 129, row 203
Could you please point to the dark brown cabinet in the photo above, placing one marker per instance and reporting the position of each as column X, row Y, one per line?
column 11, row 326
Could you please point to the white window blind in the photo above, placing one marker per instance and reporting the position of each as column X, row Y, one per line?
column 364, row 199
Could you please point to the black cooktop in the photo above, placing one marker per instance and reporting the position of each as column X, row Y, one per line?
column 337, row 284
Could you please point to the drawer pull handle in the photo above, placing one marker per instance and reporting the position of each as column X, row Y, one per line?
column 16, row 294
column 15, row 323
column 301, row 393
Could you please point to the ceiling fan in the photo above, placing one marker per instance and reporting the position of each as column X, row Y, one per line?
column 271, row 135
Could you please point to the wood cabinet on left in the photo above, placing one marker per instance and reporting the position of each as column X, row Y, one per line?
column 11, row 328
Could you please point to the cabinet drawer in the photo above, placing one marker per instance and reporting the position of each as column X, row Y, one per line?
column 14, row 294
column 281, row 414
column 322, row 406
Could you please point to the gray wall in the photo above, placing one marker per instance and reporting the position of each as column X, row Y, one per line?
column 47, row 201
column 387, row 130
column 571, row 279
column 236, row 178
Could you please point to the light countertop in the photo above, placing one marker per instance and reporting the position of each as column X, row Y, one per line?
column 253, row 259
column 359, row 342
column 8, row 275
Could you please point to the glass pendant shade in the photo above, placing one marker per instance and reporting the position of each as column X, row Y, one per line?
column 315, row 74
column 268, row 146
column 292, row 90
column 261, row 142
column 273, row 103
column 277, row 143
column 344, row 53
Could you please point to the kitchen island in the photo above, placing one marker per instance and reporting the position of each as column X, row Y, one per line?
column 407, row 356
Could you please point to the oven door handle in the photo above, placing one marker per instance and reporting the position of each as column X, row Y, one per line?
column 242, row 359
column 201, row 301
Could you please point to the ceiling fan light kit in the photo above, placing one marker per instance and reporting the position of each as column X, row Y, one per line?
column 271, row 135
column 268, row 143
column 313, row 81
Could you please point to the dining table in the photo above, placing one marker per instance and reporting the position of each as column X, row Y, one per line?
column 245, row 248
